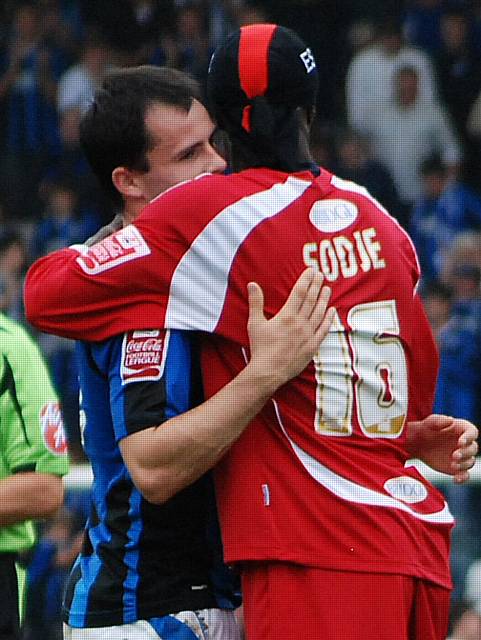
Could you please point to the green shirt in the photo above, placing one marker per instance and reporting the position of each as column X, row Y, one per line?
column 31, row 429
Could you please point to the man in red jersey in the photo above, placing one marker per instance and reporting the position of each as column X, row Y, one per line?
column 336, row 537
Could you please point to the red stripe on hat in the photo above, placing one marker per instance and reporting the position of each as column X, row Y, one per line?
column 254, row 44
column 246, row 118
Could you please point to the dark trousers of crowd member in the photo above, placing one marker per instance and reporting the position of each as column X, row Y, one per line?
column 9, row 614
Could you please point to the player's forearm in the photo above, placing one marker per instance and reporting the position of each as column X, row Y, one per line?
column 165, row 459
column 29, row 496
column 414, row 439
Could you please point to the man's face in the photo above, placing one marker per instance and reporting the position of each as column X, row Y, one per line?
column 407, row 87
column 434, row 184
column 183, row 147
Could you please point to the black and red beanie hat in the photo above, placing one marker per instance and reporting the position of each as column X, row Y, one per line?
column 257, row 65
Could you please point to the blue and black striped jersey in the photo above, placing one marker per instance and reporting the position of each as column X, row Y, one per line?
column 140, row 560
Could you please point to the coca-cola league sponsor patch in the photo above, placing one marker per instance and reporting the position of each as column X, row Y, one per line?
column 143, row 355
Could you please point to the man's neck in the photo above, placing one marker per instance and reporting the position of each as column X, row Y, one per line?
column 131, row 211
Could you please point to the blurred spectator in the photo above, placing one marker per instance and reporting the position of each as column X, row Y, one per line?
column 187, row 48
column 371, row 73
column 456, row 319
column 72, row 162
column 422, row 24
column 407, row 130
column 458, row 66
column 473, row 129
column 466, row 250
column 474, row 120
column 361, row 35
column 6, row 224
column 192, row 40
column 224, row 17
column 124, row 24
column 446, row 209
column 13, row 262
column 355, row 163
column 468, row 624
column 62, row 224
column 250, row 14
column 47, row 573
column 149, row 16
column 437, row 299
column 29, row 68
column 459, row 342
column 79, row 83
column 152, row 20
column 60, row 31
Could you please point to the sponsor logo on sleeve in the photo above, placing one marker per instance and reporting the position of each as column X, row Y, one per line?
column 333, row 215
column 143, row 356
column 52, row 428
column 122, row 246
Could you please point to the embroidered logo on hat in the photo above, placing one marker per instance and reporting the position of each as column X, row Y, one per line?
column 308, row 60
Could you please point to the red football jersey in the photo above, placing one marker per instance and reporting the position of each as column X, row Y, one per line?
column 319, row 477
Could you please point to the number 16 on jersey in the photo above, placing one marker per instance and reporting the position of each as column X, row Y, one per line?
column 362, row 365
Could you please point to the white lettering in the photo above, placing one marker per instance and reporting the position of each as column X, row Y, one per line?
column 363, row 254
column 347, row 259
column 345, row 256
column 329, row 263
column 373, row 248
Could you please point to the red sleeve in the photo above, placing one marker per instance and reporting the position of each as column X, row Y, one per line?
column 84, row 293
column 123, row 282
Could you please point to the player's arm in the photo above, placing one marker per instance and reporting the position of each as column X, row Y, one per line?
column 96, row 292
column 445, row 444
column 29, row 496
column 164, row 459
column 32, row 439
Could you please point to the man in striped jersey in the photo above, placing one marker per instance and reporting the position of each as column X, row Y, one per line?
column 335, row 535
column 151, row 561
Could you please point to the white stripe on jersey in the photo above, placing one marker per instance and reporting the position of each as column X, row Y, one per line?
column 347, row 185
column 352, row 492
column 204, row 270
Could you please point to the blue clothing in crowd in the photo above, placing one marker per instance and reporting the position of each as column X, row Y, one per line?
column 51, row 234
column 459, row 383
column 31, row 119
column 422, row 26
column 436, row 222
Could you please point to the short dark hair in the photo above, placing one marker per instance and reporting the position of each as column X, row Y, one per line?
column 8, row 238
column 113, row 132
column 433, row 165
column 408, row 70
column 436, row 289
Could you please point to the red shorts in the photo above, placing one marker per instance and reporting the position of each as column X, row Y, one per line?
column 293, row 602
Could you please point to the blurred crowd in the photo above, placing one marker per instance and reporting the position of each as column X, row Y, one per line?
column 399, row 112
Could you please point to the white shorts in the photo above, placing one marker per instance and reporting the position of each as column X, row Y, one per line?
column 206, row 624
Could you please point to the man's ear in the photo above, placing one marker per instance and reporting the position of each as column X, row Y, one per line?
column 126, row 182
